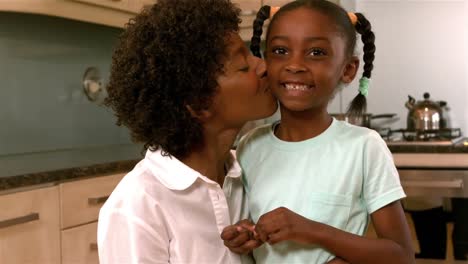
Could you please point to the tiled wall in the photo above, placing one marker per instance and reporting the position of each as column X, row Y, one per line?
column 42, row 106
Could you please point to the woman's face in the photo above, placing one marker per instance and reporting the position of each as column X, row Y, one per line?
column 243, row 94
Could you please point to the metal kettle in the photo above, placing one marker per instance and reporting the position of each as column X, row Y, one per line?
column 424, row 115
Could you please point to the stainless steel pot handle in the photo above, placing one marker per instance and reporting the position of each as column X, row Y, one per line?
column 456, row 184
column 383, row 116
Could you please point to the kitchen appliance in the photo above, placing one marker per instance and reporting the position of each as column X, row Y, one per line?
column 420, row 137
column 431, row 170
column 363, row 119
column 435, row 164
column 425, row 115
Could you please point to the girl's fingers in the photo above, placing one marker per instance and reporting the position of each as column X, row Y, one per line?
column 229, row 233
column 240, row 239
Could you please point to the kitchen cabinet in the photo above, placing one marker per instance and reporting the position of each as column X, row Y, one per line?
column 104, row 12
column 275, row 2
column 80, row 201
column 79, row 210
column 30, row 227
column 114, row 13
column 249, row 12
column 115, row 4
column 79, row 245
column 55, row 224
column 137, row 5
column 283, row 2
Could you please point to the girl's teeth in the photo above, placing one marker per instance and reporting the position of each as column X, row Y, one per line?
column 301, row 87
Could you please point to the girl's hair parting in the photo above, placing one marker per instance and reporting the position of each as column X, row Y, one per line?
column 358, row 105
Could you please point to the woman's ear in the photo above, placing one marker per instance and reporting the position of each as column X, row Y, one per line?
column 350, row 70
column 202, row 115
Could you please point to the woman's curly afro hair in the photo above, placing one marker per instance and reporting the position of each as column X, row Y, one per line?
column 169, row 57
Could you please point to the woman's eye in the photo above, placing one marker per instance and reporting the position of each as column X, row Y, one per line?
column 317, row 52
column 279, row 50
column 245, row 69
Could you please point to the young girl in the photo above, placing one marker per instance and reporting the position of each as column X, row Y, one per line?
column 184, row 83
column 312, row 181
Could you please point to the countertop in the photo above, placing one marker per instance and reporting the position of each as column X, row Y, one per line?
column 431, row 261
column 430, row 156
column 17, row 171
column 25, row 170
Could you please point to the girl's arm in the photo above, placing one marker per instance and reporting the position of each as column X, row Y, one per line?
column 393, row 244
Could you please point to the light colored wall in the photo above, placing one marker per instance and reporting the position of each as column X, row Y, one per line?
column 422, row 46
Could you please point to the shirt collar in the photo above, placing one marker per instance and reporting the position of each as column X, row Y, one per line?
column 175, row 175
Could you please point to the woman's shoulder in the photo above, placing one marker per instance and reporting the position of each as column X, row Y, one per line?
column 134, row 190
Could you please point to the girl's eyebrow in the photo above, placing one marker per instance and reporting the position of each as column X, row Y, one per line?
column 309, row 39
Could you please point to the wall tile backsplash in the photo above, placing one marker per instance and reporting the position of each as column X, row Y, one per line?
column 42, row 104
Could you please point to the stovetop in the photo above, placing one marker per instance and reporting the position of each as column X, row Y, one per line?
column 440, row 137
column 448, row 140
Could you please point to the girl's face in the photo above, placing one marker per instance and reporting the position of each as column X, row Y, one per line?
column 306, row 60
column 243, row 94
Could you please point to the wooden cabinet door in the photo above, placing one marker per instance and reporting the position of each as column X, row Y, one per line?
column 275, row 2
column 29, row 227
column 79, row 245
column 249, row 12
column 80, row 201
column 114, row 4
column 137, row 5
column 283, row 2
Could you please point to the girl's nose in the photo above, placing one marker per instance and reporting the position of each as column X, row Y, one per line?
column 295, row 67
column 295, row 64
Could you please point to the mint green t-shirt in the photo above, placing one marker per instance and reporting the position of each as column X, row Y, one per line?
column 338, row 178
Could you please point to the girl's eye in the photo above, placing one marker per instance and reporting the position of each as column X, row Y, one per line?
column 317, row 52
column 279, row 51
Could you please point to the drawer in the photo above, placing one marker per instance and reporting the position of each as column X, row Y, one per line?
column 29, row 227
column 79, row 245
column 434, row 182
column 114, row 4
column 81, row 200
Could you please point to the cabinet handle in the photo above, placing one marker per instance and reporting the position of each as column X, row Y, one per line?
column 19, row 220
column 457, row 184
column 97, row 200
column 93, row 246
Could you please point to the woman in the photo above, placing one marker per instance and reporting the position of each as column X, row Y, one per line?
column 184, row 83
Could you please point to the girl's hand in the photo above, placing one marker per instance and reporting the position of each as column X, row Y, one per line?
column 240, row 238
column 283, row 224
column 337, row 261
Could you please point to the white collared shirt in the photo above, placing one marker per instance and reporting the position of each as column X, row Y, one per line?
column 165, row 212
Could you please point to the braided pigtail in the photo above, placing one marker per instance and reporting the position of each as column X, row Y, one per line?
column 262, row 15
column 363, row 27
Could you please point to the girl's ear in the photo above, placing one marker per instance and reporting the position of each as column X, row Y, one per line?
column 350, row 70
column 202, row 115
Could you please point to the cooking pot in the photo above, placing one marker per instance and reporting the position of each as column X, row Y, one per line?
column 424, row 115
column 361, row 120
